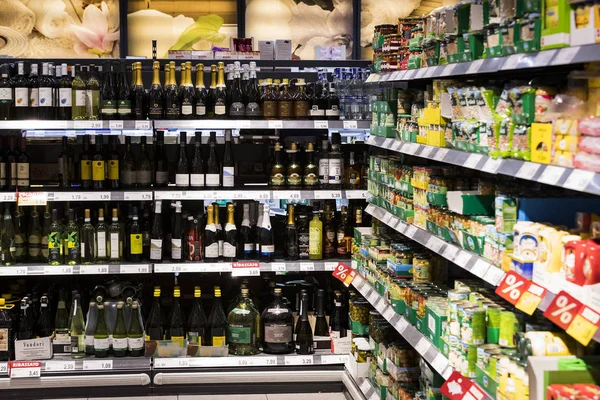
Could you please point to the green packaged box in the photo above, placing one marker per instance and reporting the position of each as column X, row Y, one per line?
column 530, row 33
column 435, row 325
column 486, row 381
column 473, row 243
column 470, row 203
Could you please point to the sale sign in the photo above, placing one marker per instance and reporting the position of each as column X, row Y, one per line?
column 578, row 320
column 520, row 292
column 25, row 369
column 344, row 273
column 458, row 387
column 243, row 268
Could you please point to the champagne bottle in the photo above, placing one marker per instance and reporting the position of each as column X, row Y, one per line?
column 257, row 230
column 101, row 341
column 156, row 242
column 123, row 94
column 219, row 227
column 119, row 342
column 245, row 239
column 294, row 170
column 187, row 93
column 77, row 329
column 115, row 239
column 197, row 170
column 35, row 237
column 154, row 324
column 252, row 100
column 211, row 243
column 230, row 243
column 176, row 324
column 220, row 94
column 108, row 94
column 197, row 320
column 182, row 174
column 135, row 333
column 216, row 326
column 321, row 327
column 237, row 109
column 277, row 177
column 201, row 93
column 304, row 335
column 171, row 96
column 88, row 240
column 267, row 242
column 138, row 95
column 291, row 235
column 310, row 176
column 155, row 94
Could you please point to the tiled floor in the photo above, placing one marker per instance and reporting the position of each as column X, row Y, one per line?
column 287, row 396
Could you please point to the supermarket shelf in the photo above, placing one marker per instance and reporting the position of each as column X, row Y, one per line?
column 73, row 381
column 367, row 389
column 260, row 124
column 88, row 269
column 66, row 365
column 465, row 259
column 262, row 360
column 568, row 178
column 277, row 266
column 41, row 196
column 546, row 58
column 83, row 126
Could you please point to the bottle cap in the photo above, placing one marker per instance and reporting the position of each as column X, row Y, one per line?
column 197, row 292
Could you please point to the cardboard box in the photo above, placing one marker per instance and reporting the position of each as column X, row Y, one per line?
column 541, row 143
column 470, row 203
column 33, row 349
column 202, row 55
column 566, row 143
column 556, row 25
column 180, row 54
column 225, row 55
column 589, row 33
column 283, row 49
column 266, row 49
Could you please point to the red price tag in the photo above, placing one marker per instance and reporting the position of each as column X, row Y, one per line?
column 245, row 269
column 25, row 369
column 344, row 273
column 563, row 309
column 531, row 299
column 457, row 387
column 512, row 287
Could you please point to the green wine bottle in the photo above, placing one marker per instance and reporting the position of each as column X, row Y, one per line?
column 176, row 328
column 79, row 94
column 115, row 239
column 135, row 334
column 88, row 240
column 119, row 343
column 7, row 239
column 196, row 320
column 101, row 343
column 71, row 240
column 55, row 248
column 77, row 329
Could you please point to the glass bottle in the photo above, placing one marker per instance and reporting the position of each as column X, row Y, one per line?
column 187, row 94
column 228, row 176
column 43, row 325
column 194, row 239
column 78, row 93
column 285, row 105
column 352, row 177
column 177, row 238
column 303, row 235
column 321, row 326
column 294, row 170
column 257, row 230
column 7, row 325
column 277, row 327
column 176, row 324
column 230, row 242
column 197, row 171
column 156, row 241
column 269, row 101
column 333, row 104
column 211, row 243
column 196, row 321
column 315, row 231
column 201, row 93
column 71, row 241
column 61, row 321
column 34, row 248
column 220, row 94
column 161, row 162
column 216, row 325
column 20, row 235
column 85, row 164
column 114, row 242
column 21, row 102
column 171, row 107
column 136, row 246
column 154, row 324
column 143, row 171
column 8, row 247
column 252, row 100
column 135, row 333
column 219, row 227
column 138, row 95
column 98, row 167
column 46, row 99
column 55, row 240
column 338, row 323
column 23, row 162
column 155, row 94
column 101, row 340
column 243, row 331
column 213, row 170
column 100, row 237
column 291, row 235
column 65, row 95
column 6, row 94
column 90, row 327
column 45, row 232
column 324, row 164
column 336, row 162
column 123, row 94
column 108, row 94
column 210, row 95
column 304, row 335
column 34, row 92
column 267, row 241
column 128, row 169
column 330, row 239
column 88, row 240
column 77, row 328
column 310, row 176
column 92, row 93
column 344, row 235
column 277, row 179
column 26, row 329
column 182, row 173
column 245, row 239
column 113, row 163
column 237, row 109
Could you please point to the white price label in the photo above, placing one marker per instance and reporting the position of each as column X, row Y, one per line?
column 321, row 124
column 449, row 252
column 307, row 266
column 266, row 195
column 566, row 55
column 93, row 269
column 275, row 124
column 12, row 271
column 480, row 268
column 448, row 70
column 287, row 194
column 543, row 58
column 137, row 196
column 426, row 151
column 171, row 363
column 472, row 161
column 527, row 170
column 242, row 268
column 161, row 268
column 411, row 231
column 330, row 266
column 440, row 155
column 81, row 125
column 579, row 180
column 244, row 124
column 401, row 325
column 142, row 125
column 334, row 359
column 115, row 125
column 7, row 197
column 365, row 386
column 299, row 360
column 388, row 313
column 494, row 275
column 134, row 269
column 32, row 198
column 58, row 270
column 278, row 267
column 328, row 194
column 551, row 174
column 439, row 363
column 3, row 368
column 91, row 365
column 492, row 165
column 25, row 369
column 255, row 361
column 350, row 125
column 434, row 244
column 462, row 258
column 474, row 66
column 511, row 62
column 59, row 366
column 357, row 194
column 422, row 346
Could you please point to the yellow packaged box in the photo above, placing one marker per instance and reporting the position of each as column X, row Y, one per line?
column 541, row 143
column 566, row 143
column 563, row 159
column 566, row 126
column 436, row 138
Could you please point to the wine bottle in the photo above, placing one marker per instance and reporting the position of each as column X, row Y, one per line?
column 321, row 326
column 294, row 170
column 285, row 105
column 194, row 239
column 344, row 236
column 138, row 94
column 46, row 98
column 25, row 330
column 20, row 235
column 123, row 94
column 213, row 171
column 352, row 177
column 61, row 321
column 90, row 327
column 182, row 173
column 156, row 244
column 219, row 227
column 197, row 170
column 220, row 94
column 65, row 165
column 98, row 167
column 196, row 321
column 304, row 335
column 78, row 94
column 301, row 101
column 176, row 324
column 100, row 237
column 21, row 103
column 230, row 242
column 245, row 238
column 55, row 246
column 43, row 325
column 154, row 324
column 92, row 94
column 119, row 342
column 277, row 178
column 88, row 240
column 324, row 164
column 115, row 239
column 143, row 171
column 257, row 230
column 332, row 112
column 171, row 96
column 177, row 233
column 11, row 164
column 277, row 327
column 216, row 325
column 108, row 94
column 34, row 248
column 303, row 235
column 161, row 162
column 135, row 333
column 23, row 161
column 267, row 241
column 252, row 100
column 336, row 162
column 211, row 242
column 211, row 93
column 291, row 235
column 155, row 94
column 34, row 92
column 187, row 93
column 269, row 101
column 243, row 336
column 338, row 323
column 128, row 169
column 136, row 246
column 201, row 93
column 310, row 177
column 237, row 109
column 85, row 164
column 101, row 340
column 3, row 165
column 113, row 163
column 228, row 177
column 330, row 238
column 72, row 240
column 315, row 246
column 65, row 95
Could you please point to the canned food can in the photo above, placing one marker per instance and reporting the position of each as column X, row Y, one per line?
column 468, row 358
column 458, row 294
column 509, row 325
column 473, row 326
column 493, row 322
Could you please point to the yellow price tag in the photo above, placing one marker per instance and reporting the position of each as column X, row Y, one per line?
column 582, row 330
column 528, row 303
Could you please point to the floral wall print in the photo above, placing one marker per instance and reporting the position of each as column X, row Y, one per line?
column 309, row 23
column 59, row 28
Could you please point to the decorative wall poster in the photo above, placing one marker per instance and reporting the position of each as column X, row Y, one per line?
column 59, row 28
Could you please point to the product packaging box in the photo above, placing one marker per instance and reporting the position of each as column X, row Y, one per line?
column 283, row 49
column 266, row 49
column 34, row 349
column 541, row 143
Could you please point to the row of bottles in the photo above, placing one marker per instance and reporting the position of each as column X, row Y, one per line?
column 104, row 92
column 59, row 236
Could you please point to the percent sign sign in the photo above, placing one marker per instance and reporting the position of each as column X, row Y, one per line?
column 579, row 321
column 512, row 287
column 344, row 273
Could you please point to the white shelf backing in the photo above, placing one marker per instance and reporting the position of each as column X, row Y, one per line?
column 568, row 178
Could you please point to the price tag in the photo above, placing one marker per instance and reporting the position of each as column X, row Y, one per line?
column 480, row 268
column 25, row 369
column 7, row 197
column 411, row 231
column 426, row 151
column 12, row 271
column 142, row 125
column 551, row 175
column 493, row 275
column 32, row 198
column 3, row 368
column 357, row 194
column 449, row 252
column 171, row 363
column 440, row 155
column 388, row 313
column 93, row 269
column 330, row 266
column 307, row 266
column 422, row 346
column 321, row 124
column 434, row 244
column 365, row 386
column 278, row 267
column 245, row 268
column 472, row 161
column 511, row 62
column 491, row 165
column 566, row 55
column 58, row 270
column 138, row 196
column 334, row 359
column 584, row 325
column 448, row 69
column 244, row 124
column 95, row 124
column 350, row 125
column 53, row 366
column 543, row 58
column 458, row 387
column 299, row 360
column 527, row 170
column 474, row 66
column 512, row 287
column 115, row 125
column 579, row 180
column 81, row 125
column 439, row 363
column 134, row 269
column 287, row 194
column 255, row 361
column 91, row 365
column 328, row 194
column 531, row 299
column 401, row 325
column 266, row 195
column 275, row 124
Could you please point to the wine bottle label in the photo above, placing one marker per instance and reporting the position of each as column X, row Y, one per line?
column 72, row 240
column 19, row 246
column 316, row 112
column 176, row 249
column 113, row 170
column 238, row 334
column 80, row 97
column 249, row 248
column 101, row 244
column 89, row 340
column 294, row 179
column 303, row 244
column 2, row 174
column 311, row 179
column 253, row 109
column 21, row 97
column 108, row 107
column 54, row 240
column 34, row 97
column 114, row 246
column 123, row 107
column 335, row 171
column 182, row 180
column 212, row 251
column 237, row 109
column 301, row 109
column 187, row 109
column 228, row 174
column 136, row 243
column 135, row 343
column 13, row 173
column 353, row 179
column 119, row 344
column 23, row 174
column 315, row 241
column 46, row 97
column 144, row 177
column 156, row 249
column 270, row 109
column 197, row 180
column 98, row 171
column 75, row 345
column 44, row 247
column 285, row 109
column 4, row 338
column 278, row 333
column 221, row 242
column 218, row 341
column 277, row 179
column 334, row 111
column 101, row 344
column 212, row 180
column 324, row 170
column 194, row 338
column 229, row 250
column 128, row 177
column 5, row 94
column 162, row 177
column 200, row 110
column 220, row 109
column 266, row 249
column 65, row 97
column 86, row 170
column 82, row 249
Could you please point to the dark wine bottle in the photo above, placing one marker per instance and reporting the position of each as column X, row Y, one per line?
column 155, row 94
column 245, row 238
column 6, row 95
column 267, row 241
column 176, row 324
column 187, row 94
column 113, row 163
column 182, row 173
column 177, row 238
column 123, row 94
column 161, row 162
column 156, row 240
column 213, row 171
column 321, row 326
column 196, row 323
column 201, row 94
column 98, row 168
column 221, row 94
column 108, row 93
column 216, row 325
column 197, row 170
column 143, row 171
column 228, row 176
column 338, row 322
column 291, row 235
column 154, row 323
column 128, row 172
column 136, row 246
column 85, row 164
column 65, row 95
column 277, row 327
column 304, row 335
